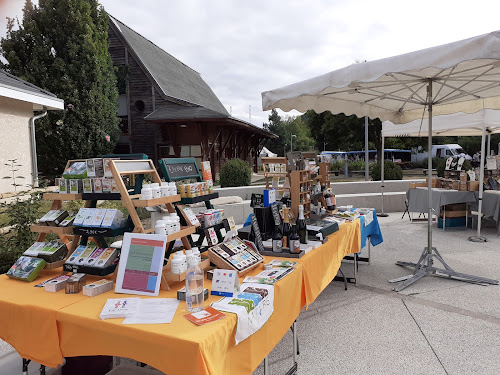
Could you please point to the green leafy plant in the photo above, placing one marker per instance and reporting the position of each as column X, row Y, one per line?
column 13, row 166
column 22, row 212
column 392, row 171
column 235, row 172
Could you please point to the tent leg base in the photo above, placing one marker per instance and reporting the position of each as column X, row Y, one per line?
column 425, row 266
column 382, row 214
column 477, row 239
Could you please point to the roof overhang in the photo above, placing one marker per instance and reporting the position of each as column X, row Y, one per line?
column 38, row 101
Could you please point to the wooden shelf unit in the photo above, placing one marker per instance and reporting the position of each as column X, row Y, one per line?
column 270, row 173
column 300, row 179
column 120, row 168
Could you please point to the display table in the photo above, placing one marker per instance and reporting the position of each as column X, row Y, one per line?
column 491, row 205
column 418, row 199
column 47, row 326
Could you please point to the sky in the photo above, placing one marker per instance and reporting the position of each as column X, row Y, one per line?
column 242, row 48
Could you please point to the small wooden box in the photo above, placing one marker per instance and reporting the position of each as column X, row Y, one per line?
column 472, row 185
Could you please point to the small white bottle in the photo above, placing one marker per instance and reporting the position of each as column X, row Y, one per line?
column 184, row 261
column 165, row 189
column 173, row 188
column 197, row 254
column 146, row 192
column 160, row 227
column 176, row 264
column 177, row 222
column 168, row 224
column 155, row 188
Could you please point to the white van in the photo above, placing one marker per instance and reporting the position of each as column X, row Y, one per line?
column 443, row 151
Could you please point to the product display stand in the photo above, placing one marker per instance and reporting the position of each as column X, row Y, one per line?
column 65, row 233
column 120, row 168
column 177, row 169
column 270, row 166
column 300, row 186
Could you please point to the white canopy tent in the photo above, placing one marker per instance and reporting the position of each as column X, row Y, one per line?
column 480, row 123
column 462, row 76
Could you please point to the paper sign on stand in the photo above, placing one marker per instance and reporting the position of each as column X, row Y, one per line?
column 212, row 236
column 225, row 283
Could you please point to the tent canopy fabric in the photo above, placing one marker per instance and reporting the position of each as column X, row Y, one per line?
column 465, row 77
column 457, row 124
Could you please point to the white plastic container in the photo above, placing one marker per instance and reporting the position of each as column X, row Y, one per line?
column 177, row 222
column 146, row 192
column 173, row 188
column 165, row 189
column 160, row 227
column 155, row 188
column 168, row 224
column 184, row 261
column 197, row 254
column 176, row 265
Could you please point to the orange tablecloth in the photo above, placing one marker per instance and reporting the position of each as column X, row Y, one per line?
column 47, row 326
column 28, row 317
column 322, row 264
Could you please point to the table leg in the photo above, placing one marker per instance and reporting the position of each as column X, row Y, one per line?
column 444, row 217
column 295, row 342
column 368, row 244
column 355, row 267
column 266, row 366
column 26, row 362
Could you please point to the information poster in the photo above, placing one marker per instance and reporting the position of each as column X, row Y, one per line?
column 141, row 264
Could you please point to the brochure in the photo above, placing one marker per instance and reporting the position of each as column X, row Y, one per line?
column 141, row 264
column 119, row 307
column 154, row 311
column 208, row 315
column 269, row 276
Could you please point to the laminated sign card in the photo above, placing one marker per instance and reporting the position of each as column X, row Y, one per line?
column 141, row 264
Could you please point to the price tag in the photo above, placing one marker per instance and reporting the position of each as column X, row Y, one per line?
column 257, row 235
column 276, row 214
column 232, row 225
column 190, row 216
column 225, row 283
column 212, row 236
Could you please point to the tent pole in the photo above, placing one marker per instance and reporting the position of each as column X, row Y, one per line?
column 382, row 214
column 429, row 173
column 488, row 147
column 478, row 237
column 366, row 150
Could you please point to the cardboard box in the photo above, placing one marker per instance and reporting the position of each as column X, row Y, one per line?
column 87, row 185
column 473, row 185
column 435, row 182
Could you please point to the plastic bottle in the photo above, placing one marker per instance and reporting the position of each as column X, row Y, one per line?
column 160, row 227
column 194, row 286
column 155, row 189
column 165, row 189
column 172, row 188
column 146, row 192
column 184, row 261
column 168, row 224
column 176, row 264
column 197, row 254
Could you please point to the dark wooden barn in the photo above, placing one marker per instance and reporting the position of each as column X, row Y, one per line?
column 168, row 110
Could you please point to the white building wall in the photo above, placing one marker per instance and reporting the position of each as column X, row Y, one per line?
column 15, row 142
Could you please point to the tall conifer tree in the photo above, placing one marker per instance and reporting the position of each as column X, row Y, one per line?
column 61, row 46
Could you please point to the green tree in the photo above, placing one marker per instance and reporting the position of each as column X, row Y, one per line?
column 341, row 132
column 284, row 129
column 61, row 46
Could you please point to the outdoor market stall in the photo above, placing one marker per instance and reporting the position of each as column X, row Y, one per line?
column 460, row 76
column 61, row 325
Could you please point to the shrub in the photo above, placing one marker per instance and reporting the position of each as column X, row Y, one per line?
column 435, row 162
column 235, row 172
column 337, row 165
column 392, row 171
column 21, row 213
column 357, row 166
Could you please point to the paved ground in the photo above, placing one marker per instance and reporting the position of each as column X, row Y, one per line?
column 436, row 326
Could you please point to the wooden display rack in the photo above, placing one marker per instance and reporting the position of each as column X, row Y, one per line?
column 300, row 184
column 120, row 168
column 65, row 233
column 269, row 175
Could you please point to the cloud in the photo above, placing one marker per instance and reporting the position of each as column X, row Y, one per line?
column 242, row 48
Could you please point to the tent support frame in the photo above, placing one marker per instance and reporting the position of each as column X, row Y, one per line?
column 425, row 265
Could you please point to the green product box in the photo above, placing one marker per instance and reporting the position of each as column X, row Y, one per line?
column 26, row 268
